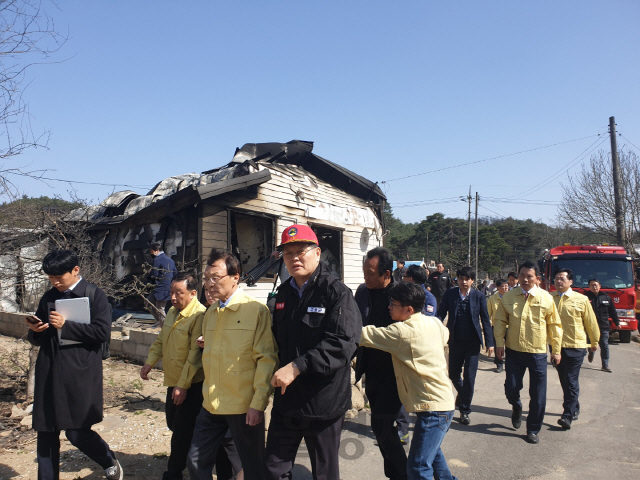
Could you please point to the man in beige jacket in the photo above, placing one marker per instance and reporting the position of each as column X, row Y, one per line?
column 416, row 344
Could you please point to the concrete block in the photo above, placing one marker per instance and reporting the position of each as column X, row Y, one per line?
column 129, row 348
column 115, row 346
column 143, row 337
column 142, row 351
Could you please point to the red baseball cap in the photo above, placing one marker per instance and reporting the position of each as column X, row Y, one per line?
column 298, row 234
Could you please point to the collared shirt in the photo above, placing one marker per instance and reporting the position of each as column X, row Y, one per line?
column 492, row 305
column 176, row 346
column 533, row 322
column 578, row 319
column 73, row 286
column 462, row 296
column 300, row 290
column 226, row 302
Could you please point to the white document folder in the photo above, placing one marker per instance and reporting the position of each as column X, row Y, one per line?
column 73, row 310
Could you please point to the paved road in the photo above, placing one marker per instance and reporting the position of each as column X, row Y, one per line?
column 603, row 443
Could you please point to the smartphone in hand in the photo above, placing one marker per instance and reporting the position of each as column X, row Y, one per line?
column 33, row 320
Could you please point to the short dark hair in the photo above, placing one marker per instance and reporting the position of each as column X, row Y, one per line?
column 500, row 282
column 529, row 265
column 155, row 246
column 400, row 261
column 512, row 274
column 232, row 263
column 593, row 280
column 409, row 295
column 192, row 283
column 568, row 271
column 385, row 262
column 466, row 272
column 417, row 273
column 59, row 262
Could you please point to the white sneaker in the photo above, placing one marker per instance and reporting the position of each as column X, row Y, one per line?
column 115, row 472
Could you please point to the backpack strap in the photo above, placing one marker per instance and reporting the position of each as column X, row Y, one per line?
column 90, row 292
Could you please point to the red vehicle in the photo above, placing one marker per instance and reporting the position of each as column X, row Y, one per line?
column 612, row 266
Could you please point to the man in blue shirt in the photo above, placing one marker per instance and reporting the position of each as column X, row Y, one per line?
column 416, row 274
column 467, row 310
column 161, row 274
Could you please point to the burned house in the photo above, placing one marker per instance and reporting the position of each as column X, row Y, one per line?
column 243, row 207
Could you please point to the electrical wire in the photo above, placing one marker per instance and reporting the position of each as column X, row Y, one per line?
column 487, row 159
column 564, row 169
column 622, row 136
column 37, row 177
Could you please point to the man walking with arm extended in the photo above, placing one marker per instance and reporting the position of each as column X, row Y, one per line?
column 533, row 321
column 578, row 320
column 468, row 324
column 317, row 327
column 177, row 347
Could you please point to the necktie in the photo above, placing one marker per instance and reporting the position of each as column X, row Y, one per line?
column 526, row 295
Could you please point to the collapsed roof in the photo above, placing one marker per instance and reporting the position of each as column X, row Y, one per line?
column 177, row 192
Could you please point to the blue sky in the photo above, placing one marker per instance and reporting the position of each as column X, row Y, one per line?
column 389, row 89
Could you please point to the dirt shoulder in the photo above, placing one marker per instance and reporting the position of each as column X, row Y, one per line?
column 134, row 423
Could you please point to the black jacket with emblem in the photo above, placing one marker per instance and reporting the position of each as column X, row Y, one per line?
column 68, row 383
column 320, row 333
column 604, row 308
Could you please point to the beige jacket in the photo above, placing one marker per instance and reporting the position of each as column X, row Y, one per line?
column 417, row 351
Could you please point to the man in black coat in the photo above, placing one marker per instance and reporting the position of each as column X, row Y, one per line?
column 381, row 388
column 604, row 308
column 317, row 327
column 439, row 283
column 68, row 378
column 468, row 322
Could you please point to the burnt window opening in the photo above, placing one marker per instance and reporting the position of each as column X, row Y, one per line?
column 251, row 240
column 330, row 241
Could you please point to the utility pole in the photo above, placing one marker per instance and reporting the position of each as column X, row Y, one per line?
column 620, row 229
column 427, row 256
column 477, row 200
column 469, row 250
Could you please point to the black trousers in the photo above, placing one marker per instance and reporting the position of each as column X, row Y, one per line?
column 568, row 373
column 385, row 406
column 516, row 365
column 464, row 355
column 402, row 422
column 181, row 419
column 209, row 434
column 84, row 439
column 322, row 438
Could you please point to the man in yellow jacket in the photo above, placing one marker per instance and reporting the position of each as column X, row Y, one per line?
column 533, row 321
column 239, row 359
column 502, row 287
column 182, row 364
column 416, row 344
column 578, row 320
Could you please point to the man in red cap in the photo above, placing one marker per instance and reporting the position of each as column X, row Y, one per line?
column 317, row 327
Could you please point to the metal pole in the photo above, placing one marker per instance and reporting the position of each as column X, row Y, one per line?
column 469, row 250
column 617, row 195
column 477, row 199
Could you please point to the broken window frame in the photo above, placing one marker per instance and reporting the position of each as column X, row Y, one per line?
column 324, row 245
column 234, row 245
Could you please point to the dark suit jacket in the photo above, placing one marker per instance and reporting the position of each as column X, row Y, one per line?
column 479, row 313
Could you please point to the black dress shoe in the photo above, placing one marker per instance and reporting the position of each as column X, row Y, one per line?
column 532, row 438
column 564, row 422
column 464, row 419
column 516, row 418
column 576, row 415
column 499, row 368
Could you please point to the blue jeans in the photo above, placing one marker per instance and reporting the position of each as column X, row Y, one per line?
column 425, row 455
column 604, row 347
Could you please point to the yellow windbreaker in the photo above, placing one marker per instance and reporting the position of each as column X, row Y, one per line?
column 240, row 356
column 578, row 320
column 532, row 323
column 177, row 348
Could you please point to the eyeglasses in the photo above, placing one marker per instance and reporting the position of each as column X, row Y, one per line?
column 212, row 280
column 298, row 254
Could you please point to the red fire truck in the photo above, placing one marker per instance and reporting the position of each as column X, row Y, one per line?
column 612, row 266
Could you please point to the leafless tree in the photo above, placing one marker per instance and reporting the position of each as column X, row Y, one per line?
column 27, row 37
column 588, row 201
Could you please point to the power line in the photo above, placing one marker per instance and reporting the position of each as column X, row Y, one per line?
column 487, row 159
column 37, row 177
column 571, row 164
column 629, row 141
